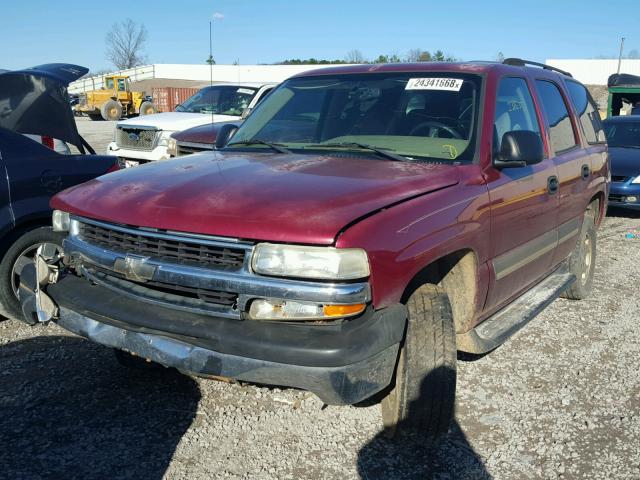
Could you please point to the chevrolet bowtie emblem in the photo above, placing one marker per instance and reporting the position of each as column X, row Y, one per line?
column 135, row 268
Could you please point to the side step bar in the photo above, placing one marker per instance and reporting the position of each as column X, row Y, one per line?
column 503, row 324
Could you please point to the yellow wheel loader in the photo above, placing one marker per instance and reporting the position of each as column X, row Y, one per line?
column 114, row 100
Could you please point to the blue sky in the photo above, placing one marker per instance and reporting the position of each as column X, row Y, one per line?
column 252, row 31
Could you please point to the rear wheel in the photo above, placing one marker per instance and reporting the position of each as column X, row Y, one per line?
column 147, row 108
column 111, row 110
column 21, row 252
column 582, row 262
column 422, row 399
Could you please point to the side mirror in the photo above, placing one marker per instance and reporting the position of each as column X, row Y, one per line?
column 246, row 112
column 224, row 135
column 519, row 148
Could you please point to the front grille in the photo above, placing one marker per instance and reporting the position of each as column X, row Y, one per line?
column 136, row 138
column 166, row 249
column 188, row 149
column 160, row 290
column 619, row 178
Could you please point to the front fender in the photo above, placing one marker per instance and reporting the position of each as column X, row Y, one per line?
column 401, row 241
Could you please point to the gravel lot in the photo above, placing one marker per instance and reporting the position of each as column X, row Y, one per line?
column 559, row 400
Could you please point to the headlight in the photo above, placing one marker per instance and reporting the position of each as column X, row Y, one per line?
column 164, row 139
column 319, row 263
column 636, row 180
column 60, row 221
column 172, row 147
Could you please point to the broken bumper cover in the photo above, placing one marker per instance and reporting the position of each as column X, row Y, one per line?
column 341, row 364
column 346, row 384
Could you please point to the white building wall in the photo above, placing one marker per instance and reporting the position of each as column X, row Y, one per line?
column 595, row 71
column 221, row 73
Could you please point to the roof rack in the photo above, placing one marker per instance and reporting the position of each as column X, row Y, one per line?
column 518, row 62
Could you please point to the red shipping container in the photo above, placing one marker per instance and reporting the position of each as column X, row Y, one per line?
column 166, row 98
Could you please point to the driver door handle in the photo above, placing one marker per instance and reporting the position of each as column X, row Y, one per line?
column 553, row 185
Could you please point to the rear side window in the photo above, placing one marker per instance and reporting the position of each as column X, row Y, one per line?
column 561, row 131
column 588, row 113
column 514, row 110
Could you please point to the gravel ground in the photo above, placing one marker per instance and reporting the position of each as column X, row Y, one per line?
column 559, row 400
column 97, row 133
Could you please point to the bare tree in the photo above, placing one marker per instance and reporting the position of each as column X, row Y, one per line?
column 354, row 56
column 125, row 42
column 413, row 55
column 500, row 57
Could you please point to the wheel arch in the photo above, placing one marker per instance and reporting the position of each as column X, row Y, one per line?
column 22, row 226
column 598, row 206
column 458, row 274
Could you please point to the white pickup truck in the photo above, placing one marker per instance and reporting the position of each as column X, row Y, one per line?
column 146, row 139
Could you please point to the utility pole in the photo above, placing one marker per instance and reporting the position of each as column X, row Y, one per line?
column 620, row 56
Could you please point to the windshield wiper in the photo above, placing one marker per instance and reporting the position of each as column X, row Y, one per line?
column 380, row 151
column 278, row 147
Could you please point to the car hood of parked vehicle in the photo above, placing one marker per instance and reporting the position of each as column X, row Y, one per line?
column 34, row 101
column 625, row 161
column 262, row 196
column 175, row 121
column 203, row 133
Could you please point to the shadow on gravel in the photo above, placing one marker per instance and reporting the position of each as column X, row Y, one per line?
column 412, row 458
column 69, row 410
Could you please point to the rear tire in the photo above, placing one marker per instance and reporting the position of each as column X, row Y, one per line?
column 22, row 248
column 111, row 110
column 423, row 397
column 147, row 108
column 582, row 261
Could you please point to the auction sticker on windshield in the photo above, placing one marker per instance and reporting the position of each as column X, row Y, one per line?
column 449, row 84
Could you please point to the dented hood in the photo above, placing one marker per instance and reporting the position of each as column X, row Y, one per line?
column 35, row 101
column 262, row 196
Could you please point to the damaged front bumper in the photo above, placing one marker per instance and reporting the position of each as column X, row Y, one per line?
column 343, row 363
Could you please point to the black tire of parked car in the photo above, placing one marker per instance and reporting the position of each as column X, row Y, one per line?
column 582, row 261
column 422, row 400
column 111, row 110
column 134, row 362
column 147, row 108
column 21, row 245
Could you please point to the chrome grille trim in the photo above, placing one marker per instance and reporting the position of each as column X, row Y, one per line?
column 147, row 138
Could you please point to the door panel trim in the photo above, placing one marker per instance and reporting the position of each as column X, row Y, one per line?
column 526, row 253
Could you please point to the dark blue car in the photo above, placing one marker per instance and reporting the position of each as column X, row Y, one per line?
column 34, row 105
column 623, row 137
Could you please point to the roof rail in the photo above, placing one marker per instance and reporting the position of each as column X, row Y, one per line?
column 518, row 62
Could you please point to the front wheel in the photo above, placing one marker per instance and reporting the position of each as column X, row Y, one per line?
column 423, row 397
column 21, row 252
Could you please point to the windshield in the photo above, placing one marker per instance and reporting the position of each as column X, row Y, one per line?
column 422, row 114
column 623, row 134
column 221, row 100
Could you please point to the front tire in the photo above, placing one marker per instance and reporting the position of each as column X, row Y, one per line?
column 423, row 397
column 21, row 251
column 111, row 110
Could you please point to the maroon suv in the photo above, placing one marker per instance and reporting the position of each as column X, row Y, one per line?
column 362, row 225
